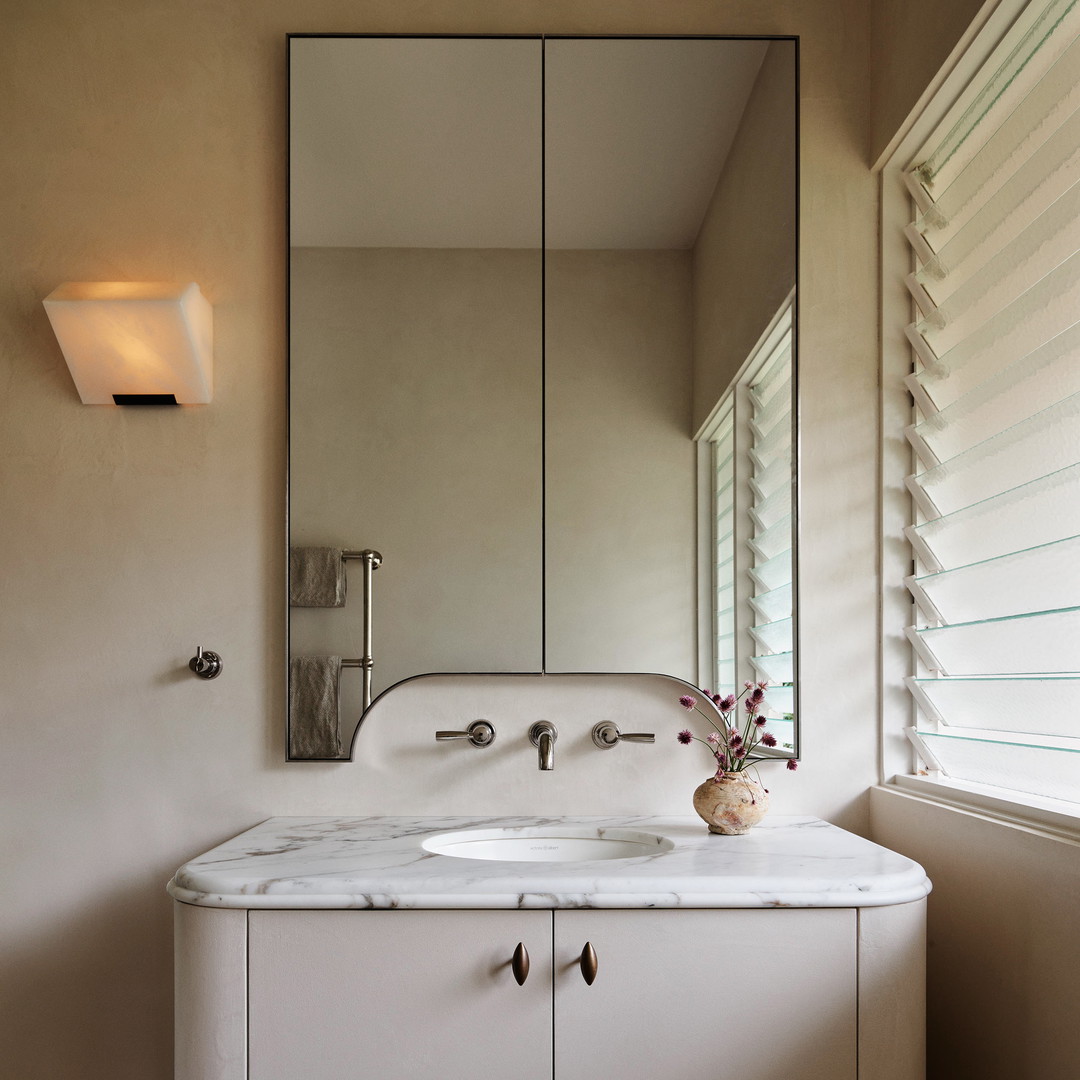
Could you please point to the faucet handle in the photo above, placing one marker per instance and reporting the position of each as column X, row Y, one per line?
column 480, row 733
column 606, row 734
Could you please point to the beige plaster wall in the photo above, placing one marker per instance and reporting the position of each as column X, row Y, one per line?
column 744, row 258
column 145, row 140
column 1002, row 941
column 620, row 518
column 415, row 429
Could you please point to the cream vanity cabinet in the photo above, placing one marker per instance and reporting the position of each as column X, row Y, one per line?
column 794, row 953
column 753, row 995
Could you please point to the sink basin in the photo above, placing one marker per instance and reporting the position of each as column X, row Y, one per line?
column 547, row 843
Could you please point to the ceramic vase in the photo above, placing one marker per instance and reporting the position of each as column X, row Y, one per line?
column 731, row 804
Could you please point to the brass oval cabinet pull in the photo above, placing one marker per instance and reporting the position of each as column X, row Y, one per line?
column 588, row 963
column 520, row 963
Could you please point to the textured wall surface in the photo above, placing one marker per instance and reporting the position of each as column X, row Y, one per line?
column 744, row 261
column 146, row 140
column 1002, row 941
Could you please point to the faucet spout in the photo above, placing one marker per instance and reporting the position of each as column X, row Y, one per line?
column 543, row 735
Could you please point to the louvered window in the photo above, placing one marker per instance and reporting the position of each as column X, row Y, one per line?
column 750, row 435
column 996, row 385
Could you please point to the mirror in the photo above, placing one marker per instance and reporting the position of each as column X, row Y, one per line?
column 523, row 274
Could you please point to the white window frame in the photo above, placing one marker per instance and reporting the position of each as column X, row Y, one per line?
column 899, row 764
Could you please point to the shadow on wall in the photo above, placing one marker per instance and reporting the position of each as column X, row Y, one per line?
column 104, row 979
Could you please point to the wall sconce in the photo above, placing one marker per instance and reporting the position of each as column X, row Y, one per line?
column 135, row 343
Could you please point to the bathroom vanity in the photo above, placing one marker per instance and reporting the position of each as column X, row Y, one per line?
column 522, row 948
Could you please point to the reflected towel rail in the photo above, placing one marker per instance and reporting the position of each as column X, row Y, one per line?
column 372, row 560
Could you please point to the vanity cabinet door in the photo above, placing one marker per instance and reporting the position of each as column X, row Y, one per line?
column 688, row 994
column 398, row 995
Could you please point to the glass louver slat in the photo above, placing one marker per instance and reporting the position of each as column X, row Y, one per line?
column 1024, row 388
column 775, row 369
column 770, row 479
column 1036, row 579
column 783, row 731
column 1036, row 446
column 1051, row 171
column 779, row 699
column 773, row 540
column 1052, row 772
column 773, row 573
column 1037, row 317
column 1045, row 510
column 965, row 304
column 1043, row 706
column 1045, row 642
column 768, row 408
column 774, row 667
column 774, row 604
column 774, row 637
column 776, row 440
column 771, row 510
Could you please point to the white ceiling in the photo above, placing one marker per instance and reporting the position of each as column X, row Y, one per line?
column 412, row 142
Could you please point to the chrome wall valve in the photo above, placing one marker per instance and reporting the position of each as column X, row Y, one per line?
column 205, row 664
column 479, row 733
column 606, row 734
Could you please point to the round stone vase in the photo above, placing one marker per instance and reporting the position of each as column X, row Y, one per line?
column 731, row 805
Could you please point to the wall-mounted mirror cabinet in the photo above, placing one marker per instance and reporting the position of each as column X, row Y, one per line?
column 528, row 278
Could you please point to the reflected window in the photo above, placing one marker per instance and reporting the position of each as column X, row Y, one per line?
column 751, row 466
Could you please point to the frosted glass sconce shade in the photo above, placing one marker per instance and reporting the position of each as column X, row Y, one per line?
column 129, row 342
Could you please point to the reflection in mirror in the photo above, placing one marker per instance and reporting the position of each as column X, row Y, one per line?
column 670, row 225
column 504, row 338
column 749, row 459
column 415, row 351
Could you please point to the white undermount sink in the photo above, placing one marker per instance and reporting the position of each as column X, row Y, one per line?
column 547, row 843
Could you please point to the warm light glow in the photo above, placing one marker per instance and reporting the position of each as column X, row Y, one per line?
column 122, row 337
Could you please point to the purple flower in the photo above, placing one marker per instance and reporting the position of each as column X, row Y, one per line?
column 687, row 702
column 740, row 752
column 728, row 703
column 757, row 695
column 748, row 686
column 707, row 693
column 735, row 739
column 721, row 760
column 764, row 685
column 716, row 699
column 792, row 764
column 768, row 740
column 713, row 738
column 761, row 721
column 686, row 737
column 751, row 706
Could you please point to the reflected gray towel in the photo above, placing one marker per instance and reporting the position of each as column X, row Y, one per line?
column 313, row 707
column 316, row 577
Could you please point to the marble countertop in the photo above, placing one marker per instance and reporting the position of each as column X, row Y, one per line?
column 378, row 862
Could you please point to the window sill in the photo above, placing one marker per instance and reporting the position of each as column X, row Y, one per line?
column 1050, row 817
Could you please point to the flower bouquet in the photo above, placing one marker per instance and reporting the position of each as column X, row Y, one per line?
column 732, row 802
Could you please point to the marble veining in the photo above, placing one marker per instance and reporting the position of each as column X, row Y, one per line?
column 378, row 862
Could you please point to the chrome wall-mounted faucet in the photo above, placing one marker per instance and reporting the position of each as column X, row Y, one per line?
column 543, row 735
